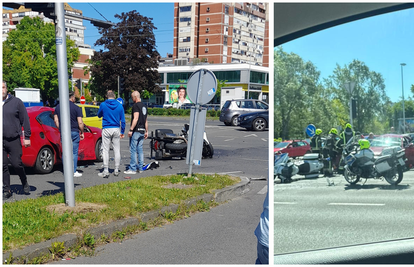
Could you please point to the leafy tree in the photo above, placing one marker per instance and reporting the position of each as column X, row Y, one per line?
column 130, row 53
column 369, row 91
column 29, row 57
column 295, row 80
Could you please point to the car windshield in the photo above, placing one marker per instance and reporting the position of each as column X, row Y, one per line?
column 328, row 74
column 386, row 142
column 282, row 145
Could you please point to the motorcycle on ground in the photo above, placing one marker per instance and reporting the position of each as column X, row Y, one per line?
column 310, row 165
column 389, row 166
column 166, row 145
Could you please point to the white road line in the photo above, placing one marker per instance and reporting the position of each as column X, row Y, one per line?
column 255, row 135
column 356, row 204
column 285, row 203
column 265, row 140
column 229, row 139
column 263, row 191
column 255, row 159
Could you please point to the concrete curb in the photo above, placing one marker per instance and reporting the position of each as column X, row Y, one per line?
column 41, row 249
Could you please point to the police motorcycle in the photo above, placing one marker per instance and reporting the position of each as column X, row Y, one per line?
column 310, row 165
column 166, row 145
column 361, row 163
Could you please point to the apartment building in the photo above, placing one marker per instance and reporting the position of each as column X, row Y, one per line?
column 74, row 30
column 221, row 33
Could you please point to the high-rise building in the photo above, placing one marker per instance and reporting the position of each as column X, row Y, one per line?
column 221, row 33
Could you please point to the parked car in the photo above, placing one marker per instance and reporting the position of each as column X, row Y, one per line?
column 90, row 115
column 236, row 107
column 46, row 147
column 257, row 121
column 295, row 148
column 167, row 105
column 400, row 140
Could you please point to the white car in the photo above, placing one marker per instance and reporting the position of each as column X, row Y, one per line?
column 167, row 105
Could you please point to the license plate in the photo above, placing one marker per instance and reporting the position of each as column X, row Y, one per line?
column 401, row 161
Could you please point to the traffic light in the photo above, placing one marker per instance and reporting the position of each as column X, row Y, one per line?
column 354, row 109
column 121, row 84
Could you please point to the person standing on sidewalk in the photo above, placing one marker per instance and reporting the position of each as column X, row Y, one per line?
column 14, row 117
column 262, row 234
column 76, row 128
column 138, row 132
column 112, row 114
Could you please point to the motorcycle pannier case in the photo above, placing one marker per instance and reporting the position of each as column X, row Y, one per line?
column 350, row 159
column 382, row 165
column 311, row 156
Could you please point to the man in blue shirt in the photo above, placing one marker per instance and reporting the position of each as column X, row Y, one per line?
column 262, row 234
column 76, row 128
column 112, row 114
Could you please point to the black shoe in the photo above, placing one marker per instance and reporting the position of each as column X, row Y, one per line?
column 26, row 188
column 7, row 195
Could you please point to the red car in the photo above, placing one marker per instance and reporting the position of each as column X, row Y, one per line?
column 46, row 148
column 295, row 148
column 400, row 140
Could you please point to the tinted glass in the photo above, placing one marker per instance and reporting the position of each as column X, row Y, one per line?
column 46, row 118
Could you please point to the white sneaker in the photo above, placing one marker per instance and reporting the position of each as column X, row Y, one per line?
column 116, row 172
column 103, row 174
column 130, row 172
column 77, row 174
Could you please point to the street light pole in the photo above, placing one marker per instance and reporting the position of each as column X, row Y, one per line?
column 402, row 85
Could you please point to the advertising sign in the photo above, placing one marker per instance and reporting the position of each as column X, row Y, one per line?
column 178, row 94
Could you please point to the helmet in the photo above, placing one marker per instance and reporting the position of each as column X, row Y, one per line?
column 364, row 144
column 334, row 131
column 318, row 131
column 348, row 125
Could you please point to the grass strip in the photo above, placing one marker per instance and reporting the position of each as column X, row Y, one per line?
column 28, row 221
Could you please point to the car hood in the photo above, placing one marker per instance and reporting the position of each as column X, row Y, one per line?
column 377, row 150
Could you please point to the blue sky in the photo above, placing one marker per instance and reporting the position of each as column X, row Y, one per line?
column 161, row 13
column 382, row 42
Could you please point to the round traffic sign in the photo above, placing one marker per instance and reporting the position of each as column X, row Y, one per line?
column 310, row 130
column 201, row 86
column 82, row 100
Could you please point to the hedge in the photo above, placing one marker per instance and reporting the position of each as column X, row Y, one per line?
column 174, row 112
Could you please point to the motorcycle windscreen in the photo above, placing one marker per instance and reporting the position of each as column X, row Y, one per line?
column 195, row 136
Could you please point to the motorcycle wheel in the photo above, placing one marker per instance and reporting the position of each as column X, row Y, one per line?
column 350, row 177
column 395, row 178
column 208, row 150
column 176, row 146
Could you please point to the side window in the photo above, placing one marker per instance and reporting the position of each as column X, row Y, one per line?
column 91, row 112
column 301, row 143
column 240, row 104
column 247, row 104
column 260, row 105
column 46, row 118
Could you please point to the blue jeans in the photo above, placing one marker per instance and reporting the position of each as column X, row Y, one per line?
column 262, row 254
column 75, row 141
column 136, row 142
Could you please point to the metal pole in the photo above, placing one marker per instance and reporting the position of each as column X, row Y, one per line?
column 67, row 146
column 350, row 111
column 402, row 85
column 194, row 124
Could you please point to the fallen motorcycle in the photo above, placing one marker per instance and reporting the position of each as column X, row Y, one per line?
column 389, row 166
column 310, row 165
column 166, row 145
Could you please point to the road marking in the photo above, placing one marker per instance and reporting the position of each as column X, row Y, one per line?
column 356, row 204
column 255, row 159
column 263, row 191
column 255, row 135
column 264, row 139
column 229, row 139
column 285, row 203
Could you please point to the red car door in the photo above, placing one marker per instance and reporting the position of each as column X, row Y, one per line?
column 51, row 131
column 87, row 146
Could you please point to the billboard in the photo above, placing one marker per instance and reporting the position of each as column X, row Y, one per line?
column 178, row 95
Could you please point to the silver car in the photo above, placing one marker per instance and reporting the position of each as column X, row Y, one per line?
column 232, row 109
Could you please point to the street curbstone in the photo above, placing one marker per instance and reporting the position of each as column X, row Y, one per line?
column 230, row 192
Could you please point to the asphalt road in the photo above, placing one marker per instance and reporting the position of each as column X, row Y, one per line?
column 309, row 214
column 224, row 235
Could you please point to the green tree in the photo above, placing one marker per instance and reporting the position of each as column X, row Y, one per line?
column 295, row 80
column 130, row 53
column 29, row 57
column 369, row 91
